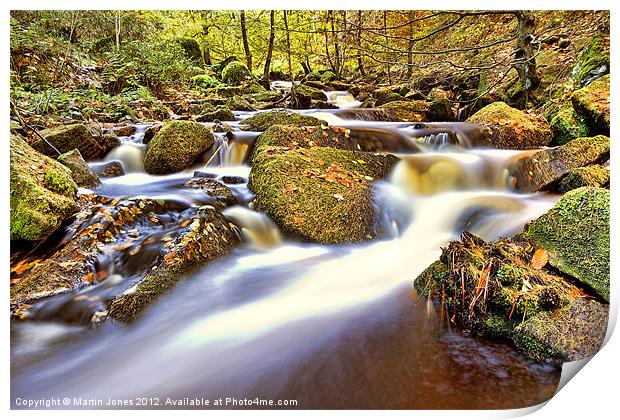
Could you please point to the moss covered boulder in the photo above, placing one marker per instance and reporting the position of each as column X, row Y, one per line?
column 205, row 237
column 405, row 110
column 80, row 171
column 588, row 176
column 507, row 290
column 264, row 120
column 512, row 128
column 545, row 168
column 567, row 124
column 176, row 146
column 576, row 234
column 593, row 62
column 66, row 138
column 321, row 194
column 593, row 103
column 302, row 96
column 221, row 113
column 235, row 73
column 328, row 76
column 267, row 96
column 42, row 193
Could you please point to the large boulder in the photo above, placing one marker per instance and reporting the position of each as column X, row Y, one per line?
column 42, row 193
column 588, row 176
column 545, row 168
column 593, row 103
column 512, row 128
column 176, row 146
column 507, row 290
column 593, row 62
column 192, row 50
column 328, row 76
column 321, row 194
column 264, row 120
column 576, row 234
column 80, row 171
column 221, row 113
column 566, row 123
column 235, row 73
column 66, row 138
column 405, row 110
column 303, row 95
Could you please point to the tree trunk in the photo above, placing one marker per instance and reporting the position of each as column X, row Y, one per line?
column 117, row 27
column 410, row 48
column 337, row 61
column 387, row 40
column 272, row 36
column 246, row 47
column 360, row 63
column 74, row 19
column 524, row 62
column 288, row 45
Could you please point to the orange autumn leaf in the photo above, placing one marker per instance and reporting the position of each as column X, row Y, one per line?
column 540, row 258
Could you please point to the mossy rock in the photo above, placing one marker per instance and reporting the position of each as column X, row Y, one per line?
column 66, row 138
column 239, row 103
column 571, row 333
column 235, row 73
column 544, row 169
column 80, row 171
column 320, row 194
column 109, row 169
column 575, row 232
column 496, row 290
column 206, row 237
column 388, row 97
column 588, row 176
column 192, row 50
column 512, row 128
column 405, row 111
column 176, row 146
column 205, row 81
column 42, row 193
column 221, row 113
column 328, row 76
column 267, row 96
column 309, row 91
column 262, row 121
column 567, row 124
column 593, row 103
column 217, row 68
column 593, row 62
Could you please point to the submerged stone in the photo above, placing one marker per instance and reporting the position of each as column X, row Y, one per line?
column 576, row 234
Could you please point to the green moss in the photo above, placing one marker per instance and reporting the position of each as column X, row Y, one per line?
column 593, row 103
column 512, row 128
column 576, row 234
column 235, row 73
column 221, row 113
column 589, row 176
column 191, row 48
column 400, row 110
column 262, row 121
column 328, row 76
column 321, row 194
column 567, row 124
column 267, row 96
column 57, row 182
column 592, row 63
column 176, row 146
column 206, row 81
column 310, row 92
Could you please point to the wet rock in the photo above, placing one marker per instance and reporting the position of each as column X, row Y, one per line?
column 221, row 113
column 109, row 169
column 511, row 128
column 42, row 193
column 566, row 123
column 108, row 142
column 124, row 131
column 405, row 110
column 303, row 96
column 214, row 189
column 315, row 84
column 206, row 237
column 235, row 73
column 545, row 168
column 232, row 179
column 505, row 290
column 341, row 86
column 321, row 194
column 150, row 132
column 576, row 234
column 322, row 105
column 66, row 138
column 589, row 176
column 387, row 98
column 571, row 333
column 593, row 62
column 593, row 103
column 176, row 146
column 264, row 120
column 80, row 171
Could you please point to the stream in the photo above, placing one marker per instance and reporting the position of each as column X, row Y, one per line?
column 329, row 326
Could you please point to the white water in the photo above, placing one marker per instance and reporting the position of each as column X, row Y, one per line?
column 230, row 327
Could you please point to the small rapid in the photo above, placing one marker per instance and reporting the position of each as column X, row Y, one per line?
column 331, row 326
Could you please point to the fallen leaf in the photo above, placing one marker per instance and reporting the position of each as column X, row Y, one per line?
column 540, row 258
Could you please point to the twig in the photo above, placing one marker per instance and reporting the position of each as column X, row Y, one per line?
column 25, row 125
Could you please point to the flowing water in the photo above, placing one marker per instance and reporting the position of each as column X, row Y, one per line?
column 328, row 326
